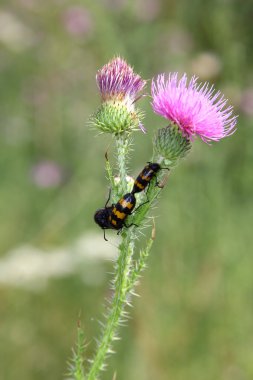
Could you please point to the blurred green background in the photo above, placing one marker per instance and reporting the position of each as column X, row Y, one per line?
column 194, row 319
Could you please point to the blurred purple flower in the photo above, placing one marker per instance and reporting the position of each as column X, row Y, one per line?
column 178, row 40
column 115, row 4
column 195, row 108
column 152, row 9
column 47, row 174
column 77, row 21
column 247, row 101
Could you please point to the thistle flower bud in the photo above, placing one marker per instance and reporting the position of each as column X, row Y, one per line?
column 115, row 117
column 171, row 145
column 119, row 88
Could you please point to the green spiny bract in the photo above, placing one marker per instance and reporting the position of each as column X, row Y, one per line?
column 115, row 117
column 171, row 145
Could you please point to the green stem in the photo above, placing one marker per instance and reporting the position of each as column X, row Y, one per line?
column 122, row 273
column 119, row 300
column 122, row 145
column 126, row 274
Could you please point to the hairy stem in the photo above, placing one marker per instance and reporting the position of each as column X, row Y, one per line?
column 122, row 272
column 119, row 300
column 126, row 273
column 122, row 145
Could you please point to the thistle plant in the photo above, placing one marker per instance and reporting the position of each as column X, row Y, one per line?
column 192, row 110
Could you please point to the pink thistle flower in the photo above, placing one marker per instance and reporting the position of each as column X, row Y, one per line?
column 195, row 108
column 119, row 87
column 117, row 81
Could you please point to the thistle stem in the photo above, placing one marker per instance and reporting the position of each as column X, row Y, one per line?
column 122, row 273
column 122, row 146
column 123, row 266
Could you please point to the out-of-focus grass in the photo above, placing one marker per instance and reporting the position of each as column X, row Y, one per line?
column 194, row 319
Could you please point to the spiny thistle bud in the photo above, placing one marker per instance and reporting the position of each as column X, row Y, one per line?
column 119, row 87
column 114, row 117
column 170, row 144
